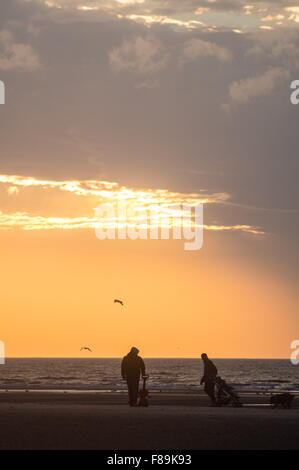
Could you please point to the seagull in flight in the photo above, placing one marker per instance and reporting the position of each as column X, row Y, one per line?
column 88, row 349
column 118, row 301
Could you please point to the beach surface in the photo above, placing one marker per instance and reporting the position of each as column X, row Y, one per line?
column 173, row 421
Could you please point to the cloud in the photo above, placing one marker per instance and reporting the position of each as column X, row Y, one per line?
column 243, row 228
column 129, row 2
column 244, row 90
column 151, row 19
column 196, row 48
column 25, row 221
column 182, row 114
column 12, row 190
column 201, row 10
column 273, row 18
column 111, row 191
column 177, row 14
column 181, row 14
column 294, row 10
column 280, row 45
column 142, row 55
column 15, row 55
column 163, row 207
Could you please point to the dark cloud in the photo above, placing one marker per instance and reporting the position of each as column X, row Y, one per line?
column 154, row 123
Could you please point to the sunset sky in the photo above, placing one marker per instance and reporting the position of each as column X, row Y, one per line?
column 152, row 102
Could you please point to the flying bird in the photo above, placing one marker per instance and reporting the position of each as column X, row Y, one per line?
column 118, row 301
column 88, row 349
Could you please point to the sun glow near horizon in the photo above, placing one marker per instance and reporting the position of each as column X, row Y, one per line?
column 60, row 279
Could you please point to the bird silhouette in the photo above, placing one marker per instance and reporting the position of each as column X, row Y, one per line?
column 118, row 301
column 88, row 349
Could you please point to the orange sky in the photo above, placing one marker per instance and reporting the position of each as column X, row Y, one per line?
column 58, row 288
column 156, row 107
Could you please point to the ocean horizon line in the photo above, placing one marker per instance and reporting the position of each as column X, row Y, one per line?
column 148, row 357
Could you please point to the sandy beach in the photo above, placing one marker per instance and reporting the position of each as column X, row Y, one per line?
column 93, row 420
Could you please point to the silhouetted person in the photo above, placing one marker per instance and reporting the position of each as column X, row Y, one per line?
column 131, row 367
column 209, row 376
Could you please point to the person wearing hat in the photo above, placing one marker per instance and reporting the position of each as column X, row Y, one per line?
column 131, row 367
column 209, row 376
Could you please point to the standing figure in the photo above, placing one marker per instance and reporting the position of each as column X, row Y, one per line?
column 131, row 367
column 209, row 378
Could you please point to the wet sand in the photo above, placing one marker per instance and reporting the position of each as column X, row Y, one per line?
column 57, row 420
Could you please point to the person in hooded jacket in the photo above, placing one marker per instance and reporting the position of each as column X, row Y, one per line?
column 132, row 367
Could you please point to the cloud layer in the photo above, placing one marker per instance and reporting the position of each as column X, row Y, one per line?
column 133, row 92
column 243, row 90
column 165, row 207
column 15, row 55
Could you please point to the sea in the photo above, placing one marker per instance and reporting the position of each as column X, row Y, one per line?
column 181, row 375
